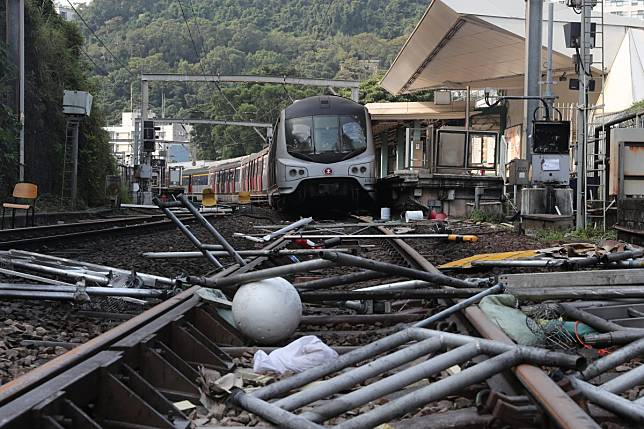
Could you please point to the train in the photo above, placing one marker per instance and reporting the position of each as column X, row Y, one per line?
column 322, row 152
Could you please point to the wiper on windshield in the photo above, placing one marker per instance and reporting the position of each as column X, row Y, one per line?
column 301, row 155
column 353, row 153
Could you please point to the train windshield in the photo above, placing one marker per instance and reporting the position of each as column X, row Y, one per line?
column 326, row 138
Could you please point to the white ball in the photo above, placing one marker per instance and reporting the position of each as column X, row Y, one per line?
column 267, row 311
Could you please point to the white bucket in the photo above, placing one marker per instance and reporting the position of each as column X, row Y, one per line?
column 413, row 215
column 385, row 213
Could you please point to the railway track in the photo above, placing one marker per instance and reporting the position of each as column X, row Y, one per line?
column 19, row 237
column 131, row 376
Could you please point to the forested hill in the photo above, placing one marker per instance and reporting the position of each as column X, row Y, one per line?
column 304, row 38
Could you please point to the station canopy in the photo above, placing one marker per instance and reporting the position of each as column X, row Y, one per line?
column 402, row 111
column 482, row 44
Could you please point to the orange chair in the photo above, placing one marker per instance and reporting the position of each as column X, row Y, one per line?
column 25, row 191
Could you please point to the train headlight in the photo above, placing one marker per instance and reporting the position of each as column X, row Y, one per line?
column 301, row 172
column 292, row 172
column 363, row 169
column 354, row 170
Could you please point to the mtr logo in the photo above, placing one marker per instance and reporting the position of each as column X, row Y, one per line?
column 328, row 171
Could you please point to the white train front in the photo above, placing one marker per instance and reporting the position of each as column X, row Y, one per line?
column 322, row 149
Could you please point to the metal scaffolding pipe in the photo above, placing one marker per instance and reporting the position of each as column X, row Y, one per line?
column 184, row 229
column 369, row 264
column 610, row 401
column 151, row 278
column 282, row 270
column 101, row 280
column 394, row 383
column 211, row 229
column 270, row 412
column 295, row 225
column 625, row 381
column 614, row 359
column 98, row 291
column 590, row 319
column 423, row 294
column 408, row 284
column 351, row 358
column 459, row 306
column 220, row 253
column 339, row 280
column 433, row 392
column 448, row 237
column 358, row 375
column 615, row 338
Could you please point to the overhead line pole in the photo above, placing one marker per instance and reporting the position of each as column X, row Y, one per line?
column 15, row 15
column 534, row 42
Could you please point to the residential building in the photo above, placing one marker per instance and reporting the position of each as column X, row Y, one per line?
column 173, row 139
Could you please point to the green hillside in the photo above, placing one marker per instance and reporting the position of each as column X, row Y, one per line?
column 304, row 38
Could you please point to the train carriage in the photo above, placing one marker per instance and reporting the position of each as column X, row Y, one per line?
column 323, row 149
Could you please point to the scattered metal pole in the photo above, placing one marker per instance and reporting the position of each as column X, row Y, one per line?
column 610, row 401
column 614, row 359
column 220, row 253
column 590, row 319
column 282, row 270
column 447, row 237
column 211, row 229
column 98, row 291
column 356, row 261
column 423, row 294
column 615, row 338
column 194, row 240
column 459, row 306
column 339, row 280
column 295, row 225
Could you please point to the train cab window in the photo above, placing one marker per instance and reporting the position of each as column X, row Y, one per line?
column 298, row 136
column 353, row 137
column 334, row 138
column 326, row 133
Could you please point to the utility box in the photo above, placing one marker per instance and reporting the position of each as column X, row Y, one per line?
column 77, row 103
column 518, row 172
column 551, row 169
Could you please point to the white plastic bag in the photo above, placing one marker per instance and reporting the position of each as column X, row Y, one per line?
column 302, row 354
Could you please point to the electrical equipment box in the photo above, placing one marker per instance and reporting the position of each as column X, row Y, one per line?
column 518, row 172
column 145, row 171
column 77, row 103
column 551, row 169
column 551, row 137
column 572, row 34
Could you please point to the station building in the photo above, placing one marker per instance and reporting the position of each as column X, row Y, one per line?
column 450, row 152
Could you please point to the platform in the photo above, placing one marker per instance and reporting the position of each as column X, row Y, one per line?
column 450, row 193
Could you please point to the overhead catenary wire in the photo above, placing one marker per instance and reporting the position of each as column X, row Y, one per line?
column 101, row 40
column 204, row 52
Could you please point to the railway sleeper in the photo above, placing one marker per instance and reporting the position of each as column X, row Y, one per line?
column 135, row 382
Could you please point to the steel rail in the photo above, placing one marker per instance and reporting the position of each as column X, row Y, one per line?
column 91, row 232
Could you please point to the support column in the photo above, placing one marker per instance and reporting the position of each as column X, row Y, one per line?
column 74, row 181
column 384, row 158
column 16, row 42
column 533, row 44
column 355, row 94
column 582, row 112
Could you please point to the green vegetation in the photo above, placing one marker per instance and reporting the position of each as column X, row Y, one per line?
column 593, row 235
column 53, row 64
column 484, row 216
column 303, row 38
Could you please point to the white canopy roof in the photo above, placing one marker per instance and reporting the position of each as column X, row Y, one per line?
column 625, row 82
column 482, row 43
column 401, row 111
